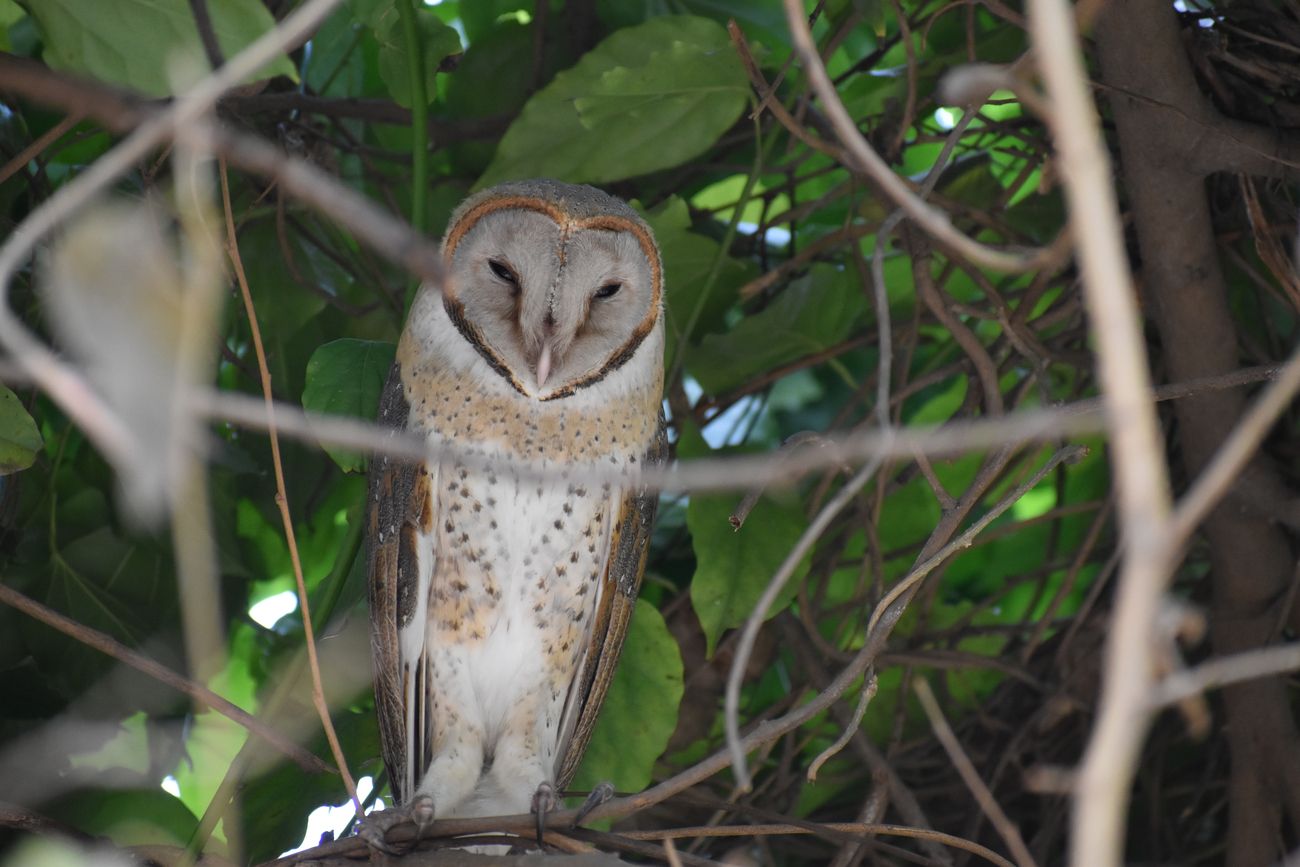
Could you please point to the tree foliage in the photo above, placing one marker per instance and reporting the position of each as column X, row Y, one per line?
column 773, row 240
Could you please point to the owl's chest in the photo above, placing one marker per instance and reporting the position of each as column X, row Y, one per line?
column 507, row 536
column 518, row 569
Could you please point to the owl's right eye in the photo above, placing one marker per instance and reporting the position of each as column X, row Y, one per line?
column 504, row 272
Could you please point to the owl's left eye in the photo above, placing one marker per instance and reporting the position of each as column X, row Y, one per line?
column 609, row 290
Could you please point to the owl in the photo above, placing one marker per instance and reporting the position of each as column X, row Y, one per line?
column 498, row 602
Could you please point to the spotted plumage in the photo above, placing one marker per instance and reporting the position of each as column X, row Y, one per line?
column 499, row 603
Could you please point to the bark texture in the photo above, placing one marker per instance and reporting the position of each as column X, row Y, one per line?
column 1162, row 121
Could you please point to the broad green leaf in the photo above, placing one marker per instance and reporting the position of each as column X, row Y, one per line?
column 346, row 377
column 142, row 44
column 970, row 182
column 337, row 63
column 689, row 259
column 19, row 438
column 640, row 709
column 480, row 16
column 129, row 818
column 438, row 41
column 813, row 313
column 319, row 533
column 647, row 98
column 372, row 12
column 10, row 13
column 119, row 586
column 938, row 405
column 720, row 197
column 289, row 277
column 763, row 21
column 734, row 566
column 489, row 81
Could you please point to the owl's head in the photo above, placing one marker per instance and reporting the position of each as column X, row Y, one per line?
column 556, row 285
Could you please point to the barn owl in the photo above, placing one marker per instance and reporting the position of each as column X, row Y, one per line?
column 499, row 602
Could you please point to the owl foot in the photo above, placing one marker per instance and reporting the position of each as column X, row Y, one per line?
column 598, row 796
column 374, row 830
column 544, row 801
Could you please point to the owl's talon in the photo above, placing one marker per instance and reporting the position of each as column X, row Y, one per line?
column 374, row 831
column 544, row 801
column 421, row 814
column 599, row 795
column 375, row 827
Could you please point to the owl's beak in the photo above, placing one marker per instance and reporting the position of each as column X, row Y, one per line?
column 544, row 364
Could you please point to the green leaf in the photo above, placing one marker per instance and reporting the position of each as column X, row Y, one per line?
column 480, row 16
column 10, row 13
column 19, row 438
column 438, row 40
column 940, row 404
column 147, row 45
column 813, row 313
column 489, row 81
column 128, row 818
column 346, row 377
column 647, row 98
column 734, row 566
column 640, row 709
column 689, row 258
column 119, row 586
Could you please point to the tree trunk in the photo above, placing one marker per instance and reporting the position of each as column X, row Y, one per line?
column 1160, row 115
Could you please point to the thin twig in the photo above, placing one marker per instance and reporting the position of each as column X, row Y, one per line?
column 1248, row 665
column 868, row 162
column 1007, row 829
column 791, row 444
column 282, row 500
column 110, row 646
column 33, row 150
column 767, row 98
column 1232, row 457
column 522, row 823
column 862, row 828
column 869, row 688
column 208, row 36
column 1110, row 761
column 901, row 593
column 883, row 619
column 745, row 646
column 817, row 248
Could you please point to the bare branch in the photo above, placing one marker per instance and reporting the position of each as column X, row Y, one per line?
column 731, row 473
column 1139, row 463
column 992, row 809
column 868, row 162
column 1249, row 665
column 1235, row 452
column 282, row 500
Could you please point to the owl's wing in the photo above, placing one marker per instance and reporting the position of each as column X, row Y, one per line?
column 625, row 559
column 398, row 515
